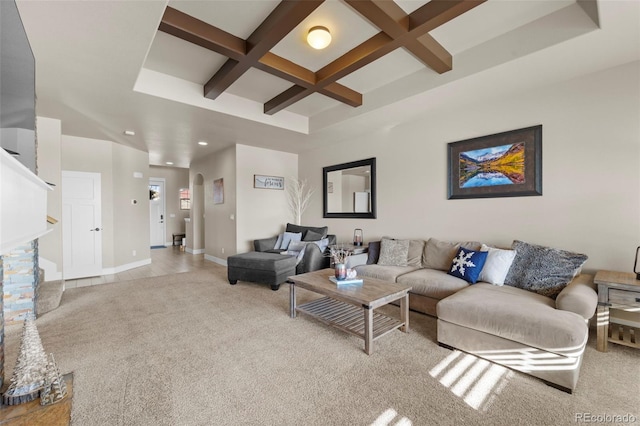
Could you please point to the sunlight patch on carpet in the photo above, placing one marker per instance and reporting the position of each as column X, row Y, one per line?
column 389, row 416
column 476, row 381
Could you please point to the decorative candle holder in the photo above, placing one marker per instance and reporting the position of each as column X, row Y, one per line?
column 358, row 237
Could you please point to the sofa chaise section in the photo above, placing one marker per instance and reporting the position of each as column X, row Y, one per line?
column 520, row 329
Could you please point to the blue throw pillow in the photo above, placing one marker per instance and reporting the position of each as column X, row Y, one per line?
column 468, row 264
column 288, row 237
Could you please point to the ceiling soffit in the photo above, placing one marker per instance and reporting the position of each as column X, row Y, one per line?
column 397, row 29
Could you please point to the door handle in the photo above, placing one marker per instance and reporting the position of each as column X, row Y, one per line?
column 97, row 229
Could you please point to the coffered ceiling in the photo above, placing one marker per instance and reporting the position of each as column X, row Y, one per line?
column 229, row 72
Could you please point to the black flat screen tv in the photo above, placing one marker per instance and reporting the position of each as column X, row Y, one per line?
column 17, row 87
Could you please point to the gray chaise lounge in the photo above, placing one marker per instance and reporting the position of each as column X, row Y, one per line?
column 268, row 265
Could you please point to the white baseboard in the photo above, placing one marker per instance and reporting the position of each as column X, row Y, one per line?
column 214, row 259
column 51, row 272
column 122, row 268
column 194, row 251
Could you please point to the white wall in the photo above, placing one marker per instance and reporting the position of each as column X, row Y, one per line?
column 50, row 245
column 591, row 172
column 262, row 213
column 95, row 156
column 125, row 226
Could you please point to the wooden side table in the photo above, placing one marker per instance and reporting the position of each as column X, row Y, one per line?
column 619, row 290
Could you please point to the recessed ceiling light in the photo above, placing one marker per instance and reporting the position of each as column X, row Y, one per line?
column 319, row 37
column 129, row 133
column 169, row 163
column 203, row 143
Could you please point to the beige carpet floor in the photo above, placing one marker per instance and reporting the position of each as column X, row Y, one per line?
column 190, row 349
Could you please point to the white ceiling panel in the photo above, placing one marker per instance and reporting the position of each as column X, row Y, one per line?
column 314, row 104
column 491, row 20
column 389, row 68
column 176, row 57
column 258, row 86
column 238, row 17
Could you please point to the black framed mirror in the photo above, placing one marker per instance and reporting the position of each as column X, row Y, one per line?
column 349, row 190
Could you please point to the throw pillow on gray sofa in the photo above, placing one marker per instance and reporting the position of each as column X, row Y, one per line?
column 393, row 252
column 414, row 256
column 543, row 270
column 324, row 230
column 373, row 253
column 310, row 235
column 439, row 254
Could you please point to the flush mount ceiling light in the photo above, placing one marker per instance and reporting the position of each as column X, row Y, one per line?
column 203, row 143
column 129, row 133
column 319, row 37
column 169, row 163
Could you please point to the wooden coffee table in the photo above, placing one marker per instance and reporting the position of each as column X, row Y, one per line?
column 350, row 308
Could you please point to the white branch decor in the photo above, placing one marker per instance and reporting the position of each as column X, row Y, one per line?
column 299, row 194
column 339, row 253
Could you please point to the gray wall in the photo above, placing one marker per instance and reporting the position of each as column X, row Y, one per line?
column 219, row 229
column 591, row 172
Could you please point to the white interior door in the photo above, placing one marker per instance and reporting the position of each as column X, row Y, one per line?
column 157, row 221
column 81, row 224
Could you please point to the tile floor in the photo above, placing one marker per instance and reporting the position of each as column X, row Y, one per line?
column 164, row 261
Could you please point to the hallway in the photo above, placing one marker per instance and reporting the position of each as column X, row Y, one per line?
column 164, row 261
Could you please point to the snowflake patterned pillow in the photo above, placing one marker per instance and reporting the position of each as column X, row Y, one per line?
column 468, row 264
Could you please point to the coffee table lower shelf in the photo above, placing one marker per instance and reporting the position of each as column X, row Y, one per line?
column 348, row 318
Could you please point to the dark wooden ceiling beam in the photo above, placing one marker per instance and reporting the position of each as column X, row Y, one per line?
column 386, row 15
column 343, row 94
column 374, row 48
column 438, row 12
column 280, row 22
column 285, row 99
column 205, row 35
column 296, row 93
column 398, row 30
column 195, row 31
column 303, row 79
column 285, row 69
column 389, row 17
column 430, row 52
column 392, row 20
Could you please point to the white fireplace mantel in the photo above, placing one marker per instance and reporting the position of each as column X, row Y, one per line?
column 23, row 204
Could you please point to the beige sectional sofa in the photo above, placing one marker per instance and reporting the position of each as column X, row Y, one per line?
column 516, row 327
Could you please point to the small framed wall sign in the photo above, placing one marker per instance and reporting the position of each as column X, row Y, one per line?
column 268, row 182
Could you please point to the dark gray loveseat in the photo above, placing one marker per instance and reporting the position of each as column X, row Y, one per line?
column 270, row 265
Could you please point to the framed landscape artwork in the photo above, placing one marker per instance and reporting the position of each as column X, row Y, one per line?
column 506, row 164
